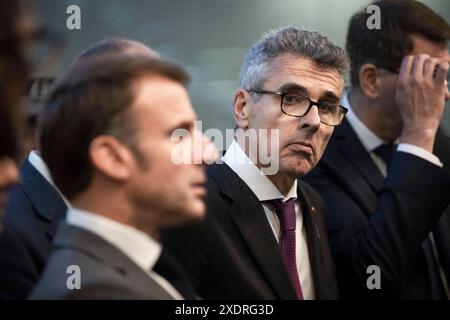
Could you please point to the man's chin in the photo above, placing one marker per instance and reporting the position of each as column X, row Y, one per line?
column 199, row 210
column 195, row 211
column 298, row 171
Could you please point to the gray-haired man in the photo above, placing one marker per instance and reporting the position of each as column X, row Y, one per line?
column 264, row 237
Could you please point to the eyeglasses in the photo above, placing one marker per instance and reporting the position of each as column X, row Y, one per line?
column 296, row 105
column 397, row 71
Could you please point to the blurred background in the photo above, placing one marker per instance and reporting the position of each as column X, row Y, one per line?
column 209, row 38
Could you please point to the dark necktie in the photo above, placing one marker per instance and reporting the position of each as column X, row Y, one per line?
column 385, row 152
column 168, row 268
column 286, row 215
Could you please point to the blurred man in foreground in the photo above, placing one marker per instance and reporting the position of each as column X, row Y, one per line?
column 106, row 138
column 35, row 205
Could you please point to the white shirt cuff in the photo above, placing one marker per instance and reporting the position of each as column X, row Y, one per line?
column 419, row 152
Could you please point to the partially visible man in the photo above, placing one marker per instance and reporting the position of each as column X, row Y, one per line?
column 381, row 175
column 15, row 34
column 264, row 237
column 108, row 143
column 35, row 206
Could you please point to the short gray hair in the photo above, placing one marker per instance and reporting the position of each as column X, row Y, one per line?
column 293, row 41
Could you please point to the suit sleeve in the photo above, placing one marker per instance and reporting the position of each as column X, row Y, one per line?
column 414, row 195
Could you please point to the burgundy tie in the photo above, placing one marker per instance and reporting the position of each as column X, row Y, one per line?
column 286, row 215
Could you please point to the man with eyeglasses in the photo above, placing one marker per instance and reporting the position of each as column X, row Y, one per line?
column 264, row 237
column 381, row 175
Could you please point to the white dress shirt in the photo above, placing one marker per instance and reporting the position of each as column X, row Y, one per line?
column 36, row 161
column 370, row 142
column 135, row 244
column 265, row 190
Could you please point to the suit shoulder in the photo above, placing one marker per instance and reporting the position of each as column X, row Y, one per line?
column 312, row 194
column 71, row 274
column 18, row 203
column 307, row 188
column 63, row 263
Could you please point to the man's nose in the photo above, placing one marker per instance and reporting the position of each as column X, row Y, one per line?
column 311, row 119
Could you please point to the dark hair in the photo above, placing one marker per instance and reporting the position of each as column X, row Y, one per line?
column 92, row 99
column 388, row 45
column 13, row 73
column 113, row 45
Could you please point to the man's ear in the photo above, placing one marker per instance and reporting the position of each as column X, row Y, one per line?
column 241, row 105
column 111, row 157
column 369, row 80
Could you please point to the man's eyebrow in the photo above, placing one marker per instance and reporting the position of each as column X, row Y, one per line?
column 291, row 87
column 329, row 95
column 187, row 125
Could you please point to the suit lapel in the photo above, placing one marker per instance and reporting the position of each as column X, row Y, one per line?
column 251, row 221
column 312, row 236
column 45, row 200
column 350, row 150
column 322, row 267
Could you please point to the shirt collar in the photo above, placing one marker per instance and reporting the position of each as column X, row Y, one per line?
column 369, row 139
column 40, row 166
column 261, row 186
column 138, row 246
column 36, row 161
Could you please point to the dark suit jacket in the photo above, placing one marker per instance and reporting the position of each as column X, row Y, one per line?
column 105, row 272
column 32, row 213
column 377, row 221
column 233, row 253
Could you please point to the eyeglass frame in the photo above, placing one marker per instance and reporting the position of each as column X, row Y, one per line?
column 397, row 71
column 311, row 104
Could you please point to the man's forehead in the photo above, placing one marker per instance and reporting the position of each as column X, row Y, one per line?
column 304, row 72
column 422, row 45
column 163, row 101
column 155, row 90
